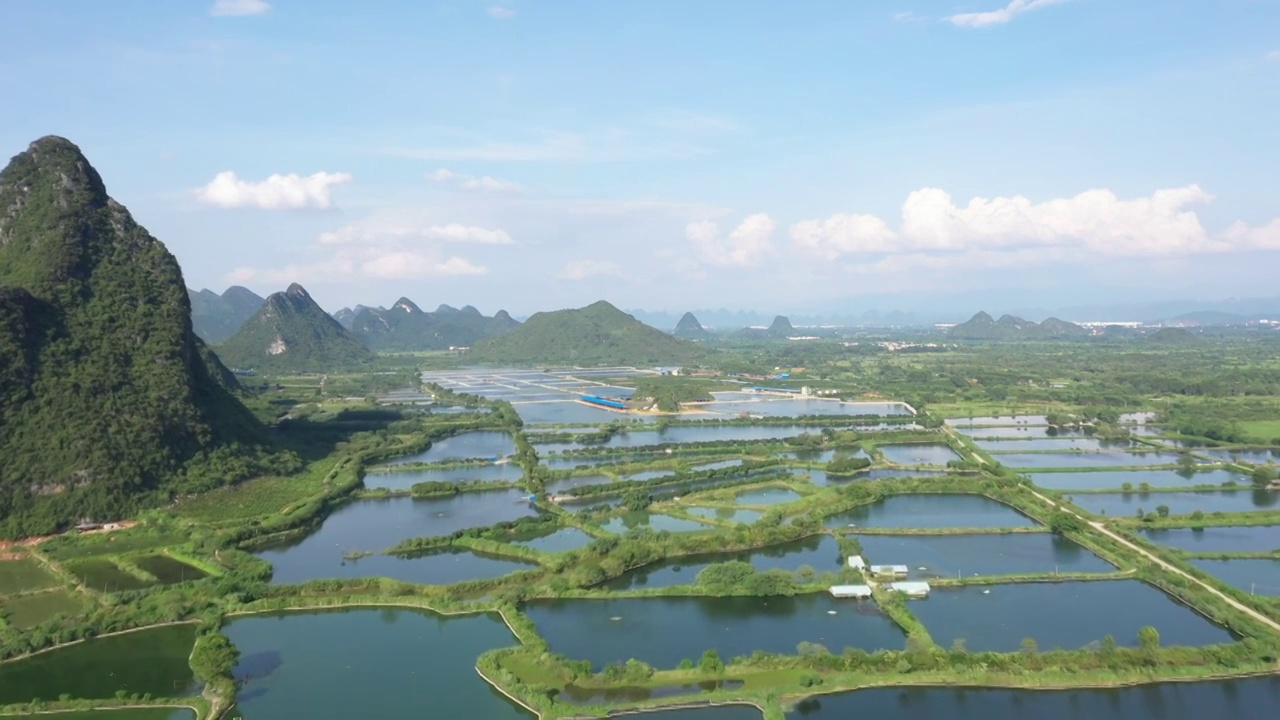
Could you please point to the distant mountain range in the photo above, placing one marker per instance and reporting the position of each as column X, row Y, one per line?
column 599, row 334
column 690, row 329
column 217, row 317
column 290, row 332
column 983, row 327
column 405, row 327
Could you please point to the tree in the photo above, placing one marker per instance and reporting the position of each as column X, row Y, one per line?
column 1149, row 638
column 1062, row 522
column 1162, row 510
column 711, row 662
column 1029, row 646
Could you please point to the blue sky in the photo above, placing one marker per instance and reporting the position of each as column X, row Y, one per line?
column 534, row 154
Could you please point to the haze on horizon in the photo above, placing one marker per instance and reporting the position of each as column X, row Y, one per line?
column 530, row 155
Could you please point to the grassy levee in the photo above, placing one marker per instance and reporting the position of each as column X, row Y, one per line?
column 1213, row 519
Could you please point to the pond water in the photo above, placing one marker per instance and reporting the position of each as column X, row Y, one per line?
column 122, row 714
column 999, row 420
column 931, row 511
column 662, row 631
column 476, row 444
column 1250, row 699
column 820, row 553
column 167, row 570
column 716, row 712
column 556, row 487
column 932, row 556
column 773, row 406
column 1179, row 503
column 438, row 567
column 1065, row 615
column 1086, row 459
column 707, row 433
column 818, row 457
column 653, row 521
column 919, row 454
column 157, row 664
column 561, row 540
column 405, row 480
column 1252, row 576
column 104, row 576
column 1257, row 456
column 577, row 695
column 368, row 664
column 651, row 474
column 378, row 523
column 1018, row 432
column 570, row 411
column 1240, row 538
column 718, row 465
column 1062, row 444
column 569, row 463
column 1115, row 479
column 734, row 515
column 766, row 496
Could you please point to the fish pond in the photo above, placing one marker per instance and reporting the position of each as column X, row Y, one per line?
column 561, row 540
column 1018, row 432
column 152, row 661
column 999, row 420
column 820, row 553
column 931, row 511
column 1257, row 456
column 141, row 713
column 918, row 454
column 1067, row 615
column 556, row 487
column 652, row 521
column 1085, row 459
column 1117, row 479
column 368, row 664
column 726, row 514
column 1261, row 577
column 1063, row 444
column 577, row 695
column 820, row 477
column 766, row 496
column 167, row 570
column 662, row 631
column 468, row 445
column 406, row 479
column 1178, row 503
column 1241, row 538
column 733, row 403
column 1249, row 699
column 568, row 411
column 933, row 556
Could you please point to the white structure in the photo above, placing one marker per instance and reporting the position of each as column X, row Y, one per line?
column 857, row 563
column 916, row 589
column 860, row 592
column 889, row 570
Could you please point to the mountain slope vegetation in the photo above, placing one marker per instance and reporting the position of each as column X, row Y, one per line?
column 983, row 327
column 405, row 327
column 109, row 402
column 291, row 333
column 690, row 329
column 594, row 335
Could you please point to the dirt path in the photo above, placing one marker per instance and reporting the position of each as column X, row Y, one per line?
column 1168, row 567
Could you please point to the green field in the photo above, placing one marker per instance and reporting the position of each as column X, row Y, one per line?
column 1265, row 430
column 167, row 570
column 30, row 610
column 24, row 575
column 257, row 497
column 104, row 576
column 116, row 543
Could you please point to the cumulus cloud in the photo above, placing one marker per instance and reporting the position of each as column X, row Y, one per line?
column 1095, row 223
column 278, row 192
column 746, row 245
column 239, row 7
column 583, row 269
column 473, row 183
column 501, row 13
column 451, row 233
column 1001, row 16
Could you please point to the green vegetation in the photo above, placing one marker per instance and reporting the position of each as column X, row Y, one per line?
column 690, row 329
column 108, row 403
column 404, row 327
column 28, row 611
column 24, row 574
column 291, row 333
column 217, row 317
column 599, row 334
column 669, row 392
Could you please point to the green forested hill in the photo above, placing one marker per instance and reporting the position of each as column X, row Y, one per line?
column 597, row 334
column 217, row 317
column 690, row 329
column 982, row 327
column 108, row 400
column 291, row 333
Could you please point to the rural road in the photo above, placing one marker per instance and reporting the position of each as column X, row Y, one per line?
column 1170, row 568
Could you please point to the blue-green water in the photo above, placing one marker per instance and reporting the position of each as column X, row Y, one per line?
column 384, row 663
column 1086, row 459
column 561, row 540
column 1179, row 503
column 766, row 496
column 1065, row 615
column 1115, row 479
column 931, row 511
column 652, row 521
column 918, row 454
column 405, row 480
column 663, row 631
column 735, row 515
column 1251, row 699
column 1252, row 576
column 476, row 444
column 820, row 478
column 968, row 555
column 1243, row 538
column 1062, row 444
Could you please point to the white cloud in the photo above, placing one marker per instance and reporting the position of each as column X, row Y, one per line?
column 746, row 245
column 407, row 265
column 583, row 269
column 1094, row 223
column 278, row 192
column 908, row 16
column 473, row 183
column 501, row 13
column 1274, row 56
column 239, row 7
column 450, row 233
column 1001, row 16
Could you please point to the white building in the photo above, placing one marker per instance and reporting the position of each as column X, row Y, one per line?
column 857, row 563
column 860, row 592
column 915, row 589
column 889, row 570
